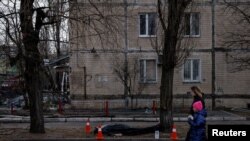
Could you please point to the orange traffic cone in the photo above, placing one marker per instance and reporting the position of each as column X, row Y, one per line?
column 87, row 127
column 173, row 135
column 99, row 134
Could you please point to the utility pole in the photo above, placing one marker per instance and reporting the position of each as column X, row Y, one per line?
column 213, row 54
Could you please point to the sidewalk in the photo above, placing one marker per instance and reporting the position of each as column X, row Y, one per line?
column 70, row 125
column 112, row 116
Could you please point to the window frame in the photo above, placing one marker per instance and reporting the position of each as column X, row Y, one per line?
column 145, row 70
column 147, row 24
column 190, row 24
column 191, row 80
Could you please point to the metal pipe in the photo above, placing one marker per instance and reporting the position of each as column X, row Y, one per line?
column 213, row 54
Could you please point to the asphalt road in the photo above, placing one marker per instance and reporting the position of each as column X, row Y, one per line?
column 74, row 131
column 93, row 124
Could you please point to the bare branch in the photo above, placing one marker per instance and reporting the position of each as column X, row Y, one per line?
column 161, row 16
column 237, row 42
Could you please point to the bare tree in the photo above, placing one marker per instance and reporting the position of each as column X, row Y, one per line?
column 237, row 40
column 58, row 8
column 134, row 89
column 24, row 22
column 171, row 25
column 12, row 40
column 32, row 17
column 96, row 27
column 30, row 29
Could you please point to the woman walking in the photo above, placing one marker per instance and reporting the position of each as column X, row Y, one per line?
column 198, row 95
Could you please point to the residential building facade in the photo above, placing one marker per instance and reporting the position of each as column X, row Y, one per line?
column 128, row 42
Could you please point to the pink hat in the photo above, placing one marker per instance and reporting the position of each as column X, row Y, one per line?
column 198, row 105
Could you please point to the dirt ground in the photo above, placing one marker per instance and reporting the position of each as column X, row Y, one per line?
column 17, row 133
column 9, row 134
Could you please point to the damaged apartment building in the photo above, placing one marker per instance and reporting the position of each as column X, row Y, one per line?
column 115, row 55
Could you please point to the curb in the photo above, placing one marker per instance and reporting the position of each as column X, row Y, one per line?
column 106, row 139
column 112, row 119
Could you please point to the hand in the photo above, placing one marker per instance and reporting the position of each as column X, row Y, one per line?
column 190, row 117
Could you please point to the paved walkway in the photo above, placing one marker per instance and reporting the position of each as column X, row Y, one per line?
column 69, row 126
column 93, row 139
column 112, row 116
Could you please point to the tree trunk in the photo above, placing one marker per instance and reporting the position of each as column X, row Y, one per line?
column 171, row 29
column 33, row 79
column 36, row 110
column 33, row 63
column 166, row 97
column 166, row 90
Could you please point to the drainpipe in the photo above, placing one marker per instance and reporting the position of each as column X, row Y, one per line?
column 85, row 82
column 126, row 53
column 213, row 54
column 77, row 51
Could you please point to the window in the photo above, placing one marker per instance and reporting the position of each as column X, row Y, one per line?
column 192, row 24
column 192, row 70
column 147, row 24
column 147, row 70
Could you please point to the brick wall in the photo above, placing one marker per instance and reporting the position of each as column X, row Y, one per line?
column 102, row 81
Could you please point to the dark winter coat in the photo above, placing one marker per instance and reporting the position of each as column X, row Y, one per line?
column 198, row 126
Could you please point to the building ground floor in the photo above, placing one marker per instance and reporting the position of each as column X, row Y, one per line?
column 99, row 77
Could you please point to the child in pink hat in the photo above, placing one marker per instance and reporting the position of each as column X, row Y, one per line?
column 197, row 106
column 197, row 123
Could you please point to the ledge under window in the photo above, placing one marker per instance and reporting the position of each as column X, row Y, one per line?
column 191, row 82
column 192, row 36
column 148, row 82
column 147, row 36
